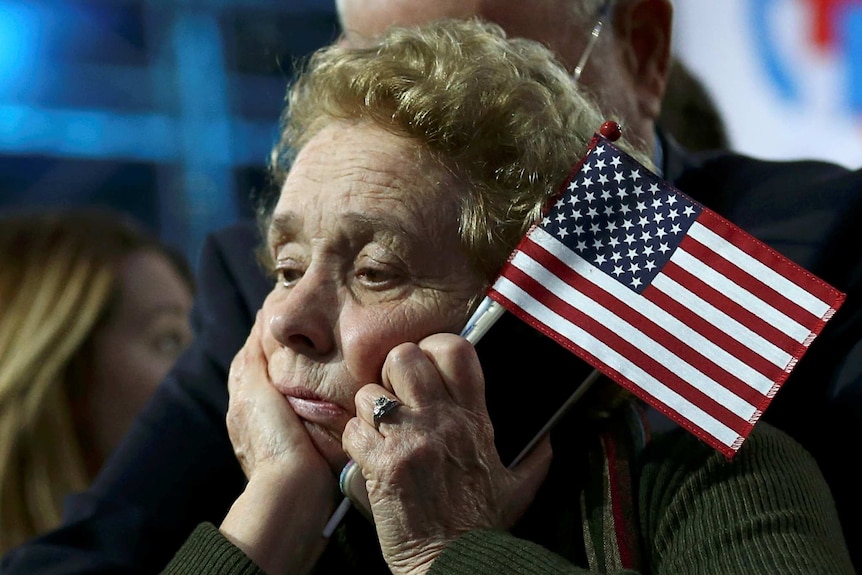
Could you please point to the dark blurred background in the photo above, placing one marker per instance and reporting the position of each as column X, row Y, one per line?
column 166, row 109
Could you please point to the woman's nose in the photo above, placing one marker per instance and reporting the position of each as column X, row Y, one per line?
column 304, row 320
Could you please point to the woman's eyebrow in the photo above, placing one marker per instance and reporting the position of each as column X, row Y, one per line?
column 287, row 225
column 284, row 224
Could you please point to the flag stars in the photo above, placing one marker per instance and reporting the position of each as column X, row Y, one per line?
column 620, row 217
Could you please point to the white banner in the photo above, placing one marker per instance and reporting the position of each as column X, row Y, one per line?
column 786, row 75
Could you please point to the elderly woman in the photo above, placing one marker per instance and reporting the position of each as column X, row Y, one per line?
column 419, row 164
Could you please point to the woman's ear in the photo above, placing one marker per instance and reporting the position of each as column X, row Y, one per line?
column 643, row 30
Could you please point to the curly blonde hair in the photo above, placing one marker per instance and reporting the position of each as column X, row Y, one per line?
column 501, row 113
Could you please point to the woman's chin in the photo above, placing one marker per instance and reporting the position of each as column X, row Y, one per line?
column 328, row 446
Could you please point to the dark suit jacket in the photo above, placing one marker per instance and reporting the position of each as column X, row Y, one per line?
column 176, row 468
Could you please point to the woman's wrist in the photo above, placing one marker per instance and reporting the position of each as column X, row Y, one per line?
column 279, row 524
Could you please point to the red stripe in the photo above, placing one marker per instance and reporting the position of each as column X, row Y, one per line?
column 751, row 284
column 667, row 339
column 670, row 379
column 726, row 342
column 684, row 422
column 732, row 308
column 620, row 524
column 771, row 258
column 735, row 311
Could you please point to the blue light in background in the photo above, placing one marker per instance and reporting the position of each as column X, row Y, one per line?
column 763, row 37
column 20, row 42
column 852, row 36
column 89, row 88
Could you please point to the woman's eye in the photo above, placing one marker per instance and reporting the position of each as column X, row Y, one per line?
column 170, row 343
column 287, row 276
column 376, row 276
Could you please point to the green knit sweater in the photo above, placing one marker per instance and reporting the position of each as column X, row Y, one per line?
column 695, row 513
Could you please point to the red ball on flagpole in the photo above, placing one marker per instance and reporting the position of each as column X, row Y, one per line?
column 611, row 130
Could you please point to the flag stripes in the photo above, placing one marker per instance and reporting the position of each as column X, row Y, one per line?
column 690, row 344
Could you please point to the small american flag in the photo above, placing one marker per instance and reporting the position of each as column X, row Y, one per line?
column 673, row 302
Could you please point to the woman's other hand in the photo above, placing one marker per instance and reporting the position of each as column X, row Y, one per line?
column 279, row 518
column 431, row 466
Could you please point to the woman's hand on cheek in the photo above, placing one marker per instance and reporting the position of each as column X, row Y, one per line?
column 266, row 434
column 279, row 518
column 431, row 466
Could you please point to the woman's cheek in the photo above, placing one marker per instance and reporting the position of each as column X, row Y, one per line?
column 366, row 343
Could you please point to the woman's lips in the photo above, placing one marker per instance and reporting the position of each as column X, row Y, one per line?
column 316, row 410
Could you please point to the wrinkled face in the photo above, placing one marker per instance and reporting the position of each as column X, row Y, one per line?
column 367, row 254
column 134, row 349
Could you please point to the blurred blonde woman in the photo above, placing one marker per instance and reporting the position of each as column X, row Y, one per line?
column 93, row 313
